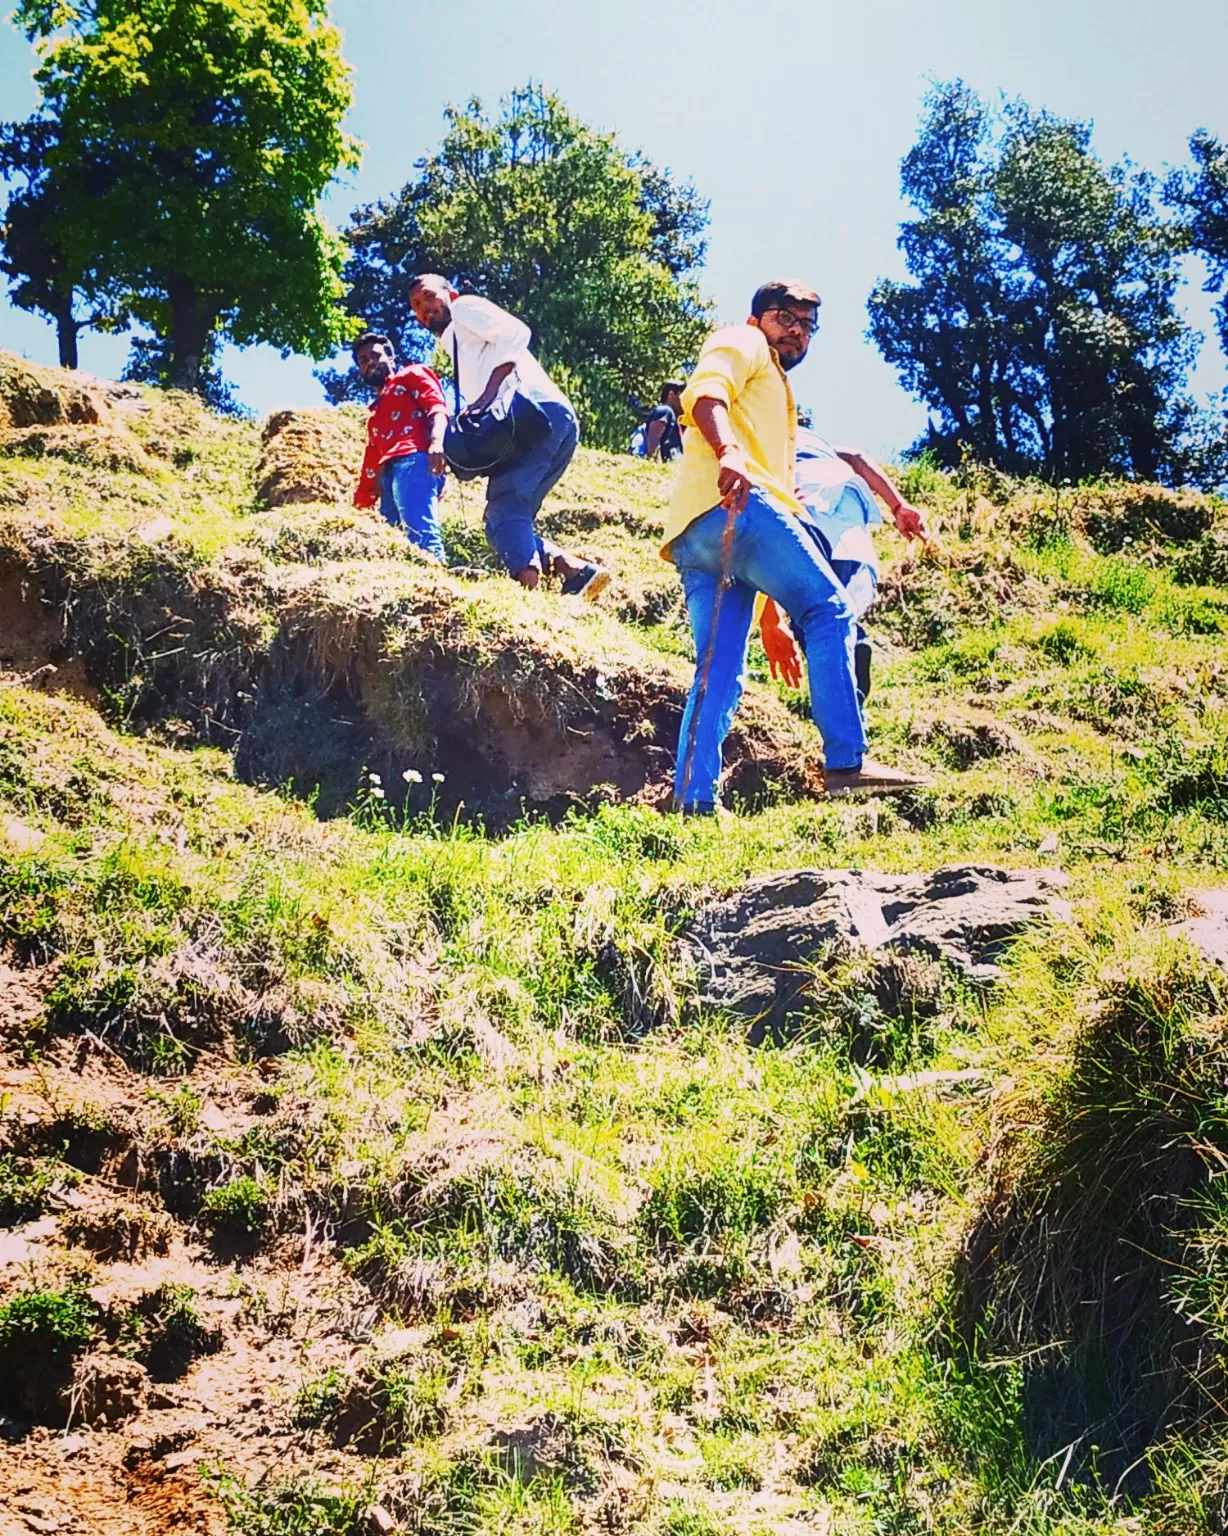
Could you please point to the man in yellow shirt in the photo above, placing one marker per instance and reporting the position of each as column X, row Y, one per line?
column 733, row 514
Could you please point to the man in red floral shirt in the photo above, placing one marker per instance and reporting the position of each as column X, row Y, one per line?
column 403, row 467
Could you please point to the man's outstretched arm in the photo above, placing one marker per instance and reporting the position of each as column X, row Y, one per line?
column 711, row 418
column 908, row 519
column 435, row 460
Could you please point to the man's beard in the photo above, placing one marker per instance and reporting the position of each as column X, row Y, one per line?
column 788, row 363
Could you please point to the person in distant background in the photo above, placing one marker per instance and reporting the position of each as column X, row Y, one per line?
column 493, row 360
column 402, row 470
column 837, row 488
column 659, row 434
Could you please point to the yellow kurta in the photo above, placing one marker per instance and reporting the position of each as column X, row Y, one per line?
column 738, row 367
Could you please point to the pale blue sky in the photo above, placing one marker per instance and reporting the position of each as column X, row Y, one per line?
column 792, row 118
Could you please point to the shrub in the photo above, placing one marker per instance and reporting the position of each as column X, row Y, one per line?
column 1130, row 513
column 717, row 1188
column 25, row 1186
column 318, row 1398
column 1195, row 779
column 293, row 1508
column 390, row 1404
column 41, row 1334
column 52, row 1325
column 242, row 1208
column 1078, row 1260
column 1064, row 642
column 1204, row 564
column 1120, row 584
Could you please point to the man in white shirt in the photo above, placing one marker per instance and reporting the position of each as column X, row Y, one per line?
column 492, row 359
column 837, row 488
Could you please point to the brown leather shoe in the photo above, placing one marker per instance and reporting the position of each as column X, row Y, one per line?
column 871, row 779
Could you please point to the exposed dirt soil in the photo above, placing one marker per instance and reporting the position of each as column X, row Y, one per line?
column 33, row 649
column 34, row 396
column 312, row 676
column 128, row 1461
column 64, row 1484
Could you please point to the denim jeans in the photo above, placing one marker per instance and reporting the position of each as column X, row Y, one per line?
column 409, row 499
column 514, row 498
column 772, row 553
column 860, row 583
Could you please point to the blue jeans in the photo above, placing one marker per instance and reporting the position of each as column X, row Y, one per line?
column 859, row 583
column 409, row 499
column 772, row 553
column 514, row 498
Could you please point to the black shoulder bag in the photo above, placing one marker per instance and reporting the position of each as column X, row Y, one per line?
column 491, row 441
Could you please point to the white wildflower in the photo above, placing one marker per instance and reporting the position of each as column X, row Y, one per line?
column 375, row 778
column 412, row 776
column 377, row 792
column 437, row 778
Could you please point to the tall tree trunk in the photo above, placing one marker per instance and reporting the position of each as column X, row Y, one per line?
column 192, row 322
column 66, row 328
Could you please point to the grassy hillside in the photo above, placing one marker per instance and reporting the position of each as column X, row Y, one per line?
column 366, row 1159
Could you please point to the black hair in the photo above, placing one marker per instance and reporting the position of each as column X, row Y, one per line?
column 371, row 339
column 783, row 290
column 426, row 277
column 672, row 388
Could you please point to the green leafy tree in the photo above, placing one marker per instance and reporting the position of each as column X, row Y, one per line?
column 593, row 247
column 149, row 362
column 1201, row 196
column 1040, row 326
column 946, row 332
column 210, row 129
column 41, row 276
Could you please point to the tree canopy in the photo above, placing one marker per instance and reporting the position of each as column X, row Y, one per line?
column 592, row 246
column 201, row 134
column 44, row 277
column 1202, row 198
column 1040, row 326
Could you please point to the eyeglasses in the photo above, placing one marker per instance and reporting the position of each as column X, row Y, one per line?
column 795, row 322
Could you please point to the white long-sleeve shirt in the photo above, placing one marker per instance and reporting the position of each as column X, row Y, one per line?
column 485, row 337
column 842, row 506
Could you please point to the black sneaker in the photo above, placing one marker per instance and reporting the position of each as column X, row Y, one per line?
column 590, row 581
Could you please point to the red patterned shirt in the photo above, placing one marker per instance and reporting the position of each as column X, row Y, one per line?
column 400, row 423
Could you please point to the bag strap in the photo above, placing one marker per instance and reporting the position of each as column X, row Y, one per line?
column 455, row 369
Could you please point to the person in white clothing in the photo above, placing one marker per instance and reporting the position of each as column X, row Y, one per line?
column 837, row 487
column 492, row 359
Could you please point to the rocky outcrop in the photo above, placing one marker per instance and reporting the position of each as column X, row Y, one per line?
column 753, row 949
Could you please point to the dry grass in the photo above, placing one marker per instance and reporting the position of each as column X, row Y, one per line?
column 309, row 456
